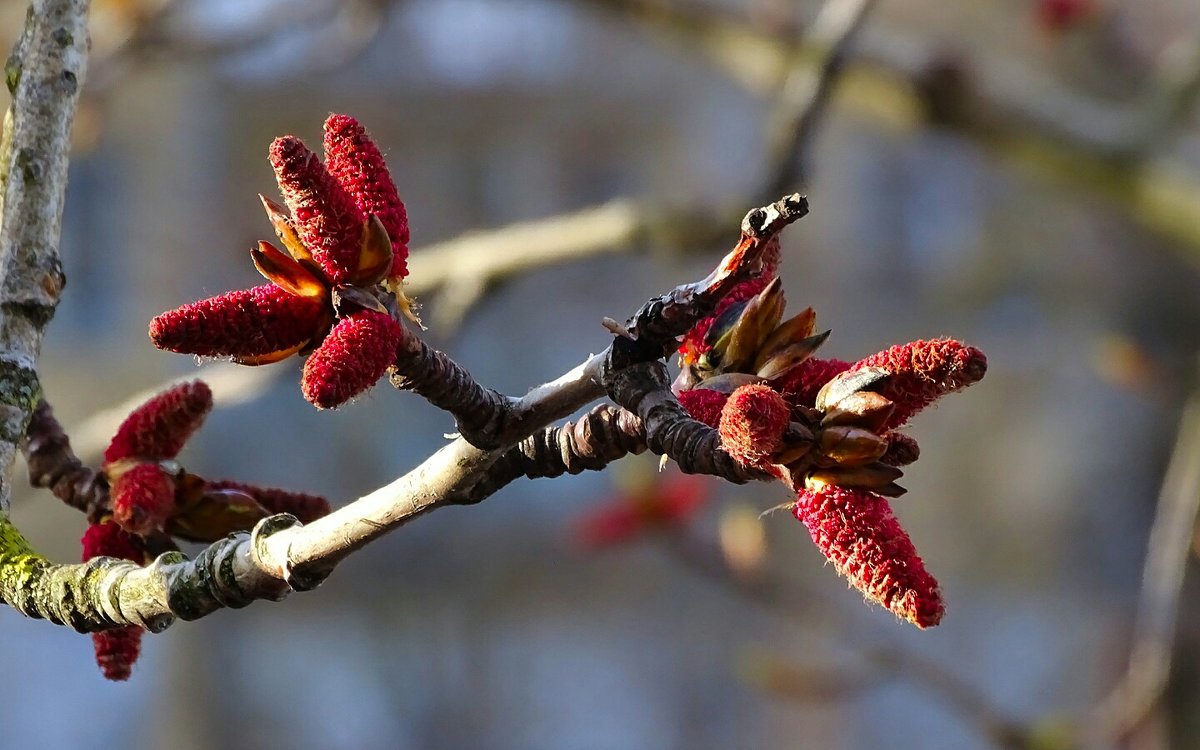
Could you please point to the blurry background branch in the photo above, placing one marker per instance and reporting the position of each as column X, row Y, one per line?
column 137, row 34
column 1137, row 694
column 802, row 98
column 1034, row 124
column 772, row 590
column 1018, row 115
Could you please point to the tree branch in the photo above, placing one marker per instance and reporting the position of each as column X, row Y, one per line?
column 44, row 74
column 602, row 436
column 53, row 465
column 280, row 555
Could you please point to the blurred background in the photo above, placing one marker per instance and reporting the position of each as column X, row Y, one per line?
column 1023, row 175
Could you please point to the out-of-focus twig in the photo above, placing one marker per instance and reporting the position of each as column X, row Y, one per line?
column 461, row 269
column 1174, row 91
column 1016, row 114
column 775, row 592
column 346, row 27
column 1141, row 687
column 803, row 96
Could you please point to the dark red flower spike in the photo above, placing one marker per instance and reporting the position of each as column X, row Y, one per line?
column 801, row 384
column 143, row 496
column 254, row 326
column 142, row 490
column 116, row 649
column 158, row 428
column 858, row 533
column 921, row 372
column 355, row 354
column 704, row 405
column 357, row 165
column 325, row 216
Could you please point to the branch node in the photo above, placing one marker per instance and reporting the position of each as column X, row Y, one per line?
column 304, row 578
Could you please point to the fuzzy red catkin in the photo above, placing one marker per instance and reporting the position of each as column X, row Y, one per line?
column 355, row 354
column 143, row 498
column 704, row 405
column 924, row 371
column 116, row 649
column 327, row 219
column 159, row 428
column 859, row 534
column 752, row 424
column 240, row 323
column 358, row 166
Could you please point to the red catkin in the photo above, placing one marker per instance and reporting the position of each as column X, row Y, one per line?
column 355, row 354
column 241, row 323
column 858, row 533
column 108, row 539
column 358, row 166
column 1058, row 16
column 116, row 649
column 753, row 423
column 143, row 498
column 668, row 504
column 801, row 383
column 924, row 371
column 704, row 405
column 327, row 219
column 158, row 428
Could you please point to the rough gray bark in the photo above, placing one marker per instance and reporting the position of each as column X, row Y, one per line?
column 44, row 75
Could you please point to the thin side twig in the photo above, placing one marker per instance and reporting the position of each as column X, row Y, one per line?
column 53, row 465
column 1135, row 695
column 805, row 93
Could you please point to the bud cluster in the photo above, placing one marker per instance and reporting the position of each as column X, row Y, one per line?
column 152, row 498
column 335, row 288
column 826, row 428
